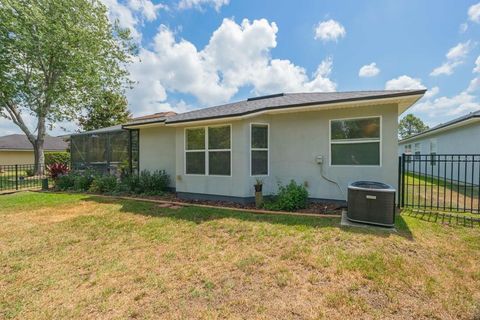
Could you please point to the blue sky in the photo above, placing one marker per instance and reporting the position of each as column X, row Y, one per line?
column 198, row 53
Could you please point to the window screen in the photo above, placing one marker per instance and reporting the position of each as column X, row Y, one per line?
column 355, row 141
column 259, row 149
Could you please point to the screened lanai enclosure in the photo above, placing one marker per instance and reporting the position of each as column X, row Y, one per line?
column 111, row 150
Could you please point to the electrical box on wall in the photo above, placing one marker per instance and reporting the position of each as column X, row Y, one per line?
column 319, row 159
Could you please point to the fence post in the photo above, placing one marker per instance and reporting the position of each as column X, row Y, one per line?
column 16, row 177
column 399, row 181
column 403, row 179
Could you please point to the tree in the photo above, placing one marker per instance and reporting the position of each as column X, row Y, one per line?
column 56, row 57
column 410, row 125
column 108, row 111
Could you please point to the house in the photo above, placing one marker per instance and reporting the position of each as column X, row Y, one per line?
column 449, row 151
column 321, row 140
column 445, row 138
column 17, row 149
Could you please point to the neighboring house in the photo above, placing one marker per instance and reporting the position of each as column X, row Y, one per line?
column 321, row 140
column 16, row 149
column 452, row 146
column 458, row 136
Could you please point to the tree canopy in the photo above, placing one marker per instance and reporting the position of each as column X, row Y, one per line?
column 56, row 58
column 108, row 111
column 410, row 125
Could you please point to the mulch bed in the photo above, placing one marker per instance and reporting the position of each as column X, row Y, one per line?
column 313, row 207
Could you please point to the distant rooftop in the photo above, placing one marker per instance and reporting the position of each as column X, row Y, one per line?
column 21, row 143
column 471, row 115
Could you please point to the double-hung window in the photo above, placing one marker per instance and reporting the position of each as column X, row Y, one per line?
column 208, row 150
column 259, row 149
column 355, row 141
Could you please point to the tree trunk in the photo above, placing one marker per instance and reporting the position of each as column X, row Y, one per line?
column 38, row 150
column 39, row 156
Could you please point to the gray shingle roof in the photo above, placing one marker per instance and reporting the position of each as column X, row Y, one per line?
column 287, row 100
column 475, row 114
column 20, row 142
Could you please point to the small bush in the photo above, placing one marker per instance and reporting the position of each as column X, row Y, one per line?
column 83, row 181
column 289, row 198
column 149, row 183
column 57, row 170
column 104, row 184
column 65, row 182
column 57, row 157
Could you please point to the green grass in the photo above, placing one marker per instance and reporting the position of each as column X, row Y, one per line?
column 76, row 256
column 432, row 192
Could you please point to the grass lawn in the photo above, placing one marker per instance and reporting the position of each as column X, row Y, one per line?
column 78, row 256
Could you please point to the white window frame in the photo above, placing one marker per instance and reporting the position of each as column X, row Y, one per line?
column 415, row 150
column 259, row 149
column 206, row 151
column 407, row 147
column 379, row 140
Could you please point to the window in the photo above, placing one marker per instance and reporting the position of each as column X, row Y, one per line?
column 433, row 152
column 259, row 149
column 208, row 150
column 408, row 149
column 355, row 141
column 418, row 151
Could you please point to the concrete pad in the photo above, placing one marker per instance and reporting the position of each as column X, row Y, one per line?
column 347, row 223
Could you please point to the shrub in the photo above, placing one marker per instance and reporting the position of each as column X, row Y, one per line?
column 57, row 170
column 289, row 198
column 65, row 182
column 104, row 184
column 149, row 183
column 82, row 182
column 57, row 157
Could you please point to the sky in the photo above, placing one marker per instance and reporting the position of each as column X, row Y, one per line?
column 200, row 53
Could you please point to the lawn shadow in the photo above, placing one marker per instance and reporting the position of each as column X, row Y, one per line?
column 200, row 215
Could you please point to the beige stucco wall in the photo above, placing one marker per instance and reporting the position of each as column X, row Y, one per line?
column 16, row 157
column 157, row 150
column 295, row 141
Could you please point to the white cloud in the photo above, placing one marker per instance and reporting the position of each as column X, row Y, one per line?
column 463, row 27
column 147, row 8
column 477, row 65
column 200, row 4
column 432, row 92
column 329, row 30
column 450, row 106
column 404, row 83
column 455, row 57
column 446, row 68
column 474, row 13
column 124, row 16
column 459, row 51
column 130, row 15
column 369, row 70
column 237, row 55
column 474, row 85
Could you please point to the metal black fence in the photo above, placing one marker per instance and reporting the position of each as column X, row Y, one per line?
column 21, row 177
column 446, row 182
